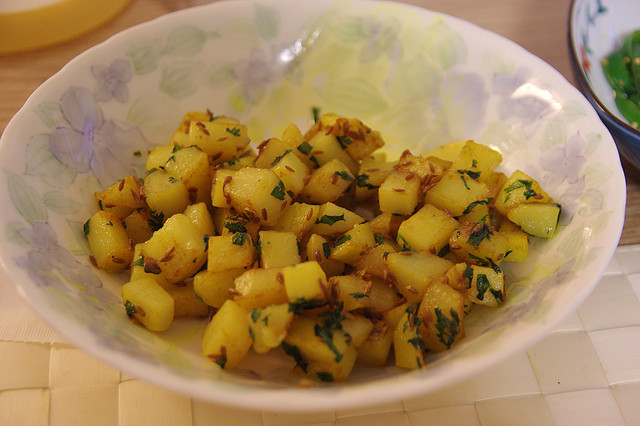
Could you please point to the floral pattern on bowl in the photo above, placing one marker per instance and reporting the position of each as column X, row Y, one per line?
column 421, row 78
column 597, row 28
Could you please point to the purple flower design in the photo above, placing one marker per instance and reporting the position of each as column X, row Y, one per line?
column 50, row 264
column 112, row 80
column 519, row 97
column 259, row 70
column 108, row 148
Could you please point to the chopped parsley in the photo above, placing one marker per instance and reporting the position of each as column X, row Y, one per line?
column 476, row 237
column 139, row 261
column 234, row 131
column 324, row 376
column 278, row 191
column 521, row 183
column 255, row 315
column 483, row 284
column 332, row 321
column 234, row 227
column 344, row 175
column 326, row 249
column 302, row 304
column 279, row 157
column 358, row 295
column 379, row 238
column 344, row 141
column 315, row 112
column 239, row 238
column 361, row 181
column 294, row 352
column 473, row 175
column 130, row 308
column 448, row 329
column 330, row 220
column 156, row 219
column 343, row 239
column 472, row 205
column 85, row 227
column 468, row 275
column 305, row 148
column 406, row 245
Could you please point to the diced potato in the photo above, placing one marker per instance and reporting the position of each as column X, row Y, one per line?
column 422, row 166
column 428, row 229
column 269, row 326
column 164, row 194
column 372, row 172
column 176, row 251
column 148, row 303
column 305, row 284
column 327, row 148
column 278, row 249
column 138, row 270
column 477, row 158
column 199, row 215
column 191, row 166
column 230, row 251
column 298, row 218
column 330, row 371
column 449, row 152
column 138, row 226
column 351, row 244
column 293, row 172
column 227, row 339
column 333, row 219
column 319, row 249
column 372, row 261
column 539, row 220
column 214, row 288
column 387, row 224
column 219, row 195
column 455, row 191
column 518, row 241
column 351, row 291
column 358, row 327
column 442, row 315
column 327, row 183
column 399, row 193
column 180, row 136
column 413, row 272
column 487, row 286
column 186, row 302
column 374, row 352
column 303, row 335
column 108, row 242
column 520, row 188
column 232, row 224
column 159, row 155
column 221, row 140
column 408, row 345
column 259, row 194
column 257, row 288
column 270, row 152
column 122, row 197
column 247, row 160
column 479, row 243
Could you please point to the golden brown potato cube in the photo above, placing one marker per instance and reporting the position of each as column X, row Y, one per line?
column 333, row 219
column 423, row 166
column 413, row 272
column 180, row 136
column 487, row 286
column 221, row 140
column 358, row 327
column 354, row 136
column 303, row 337
column 478, row 243
column 449, row 152
column 108, row 242
column 230, row 251
column 199, row 215
column 138, row 226
column 159, row 155
column 214, row 288
column 326, row 148
column 186, row 302
column 226, row 339
column 427, row 229
column 278, row 249
column 399, row 193
column 164, row 194
column 393, row 315
column 327, row 183
column 351, row 291
column 220, row 180
column 478, row 159
column 148, row 303
column 138, row 271
column 191, row 166
column 455, row 191
column 387, row 224
column 176, row 251
column 269, row 326
column 372, row 261
column 292, row 172
column 494, row 183
column 408, row 345
column 518, row 241
column 520, row 188
column 259, row 194
column 478, row 212
column 270, row 151
column 349, row 247
column 539, row 220
column 122, row 197
column 319, row 249
column 372, row 172
column 331, row 371
column 257, row 288
column 247, row 160
column 298, row 218
column 374, row 352
column 305, row 284
column 459, row 277
column 442, row 315
column 382, row 296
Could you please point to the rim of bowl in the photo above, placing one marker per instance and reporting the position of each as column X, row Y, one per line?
column 583, row 80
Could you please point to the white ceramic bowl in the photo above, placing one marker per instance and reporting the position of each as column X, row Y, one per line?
column 597, row 28
column 421, row 78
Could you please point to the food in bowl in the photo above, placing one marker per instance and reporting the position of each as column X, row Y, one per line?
column 622, row 70
column 317, row 243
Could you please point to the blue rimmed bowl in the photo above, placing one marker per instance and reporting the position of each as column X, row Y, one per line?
column 597, row 28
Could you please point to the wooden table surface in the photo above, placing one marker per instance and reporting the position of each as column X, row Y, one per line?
column 540, row 26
